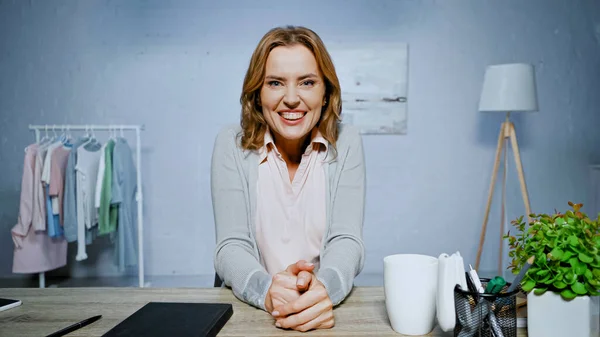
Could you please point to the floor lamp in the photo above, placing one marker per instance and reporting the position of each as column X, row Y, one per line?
column 506, row 88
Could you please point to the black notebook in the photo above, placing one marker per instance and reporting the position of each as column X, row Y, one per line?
column 158, row 319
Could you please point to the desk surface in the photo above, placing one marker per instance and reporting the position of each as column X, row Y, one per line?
column 47, row 310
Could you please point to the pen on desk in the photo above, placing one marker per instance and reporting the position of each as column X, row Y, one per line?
column 522, row 273
column 75, row 326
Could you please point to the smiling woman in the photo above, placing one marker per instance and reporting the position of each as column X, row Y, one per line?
column 288, row 186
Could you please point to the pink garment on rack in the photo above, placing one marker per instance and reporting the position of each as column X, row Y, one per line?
column 60, row 157
column 39, row 201
column 34, row 251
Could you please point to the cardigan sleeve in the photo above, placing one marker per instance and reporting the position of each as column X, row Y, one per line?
column 20, row 230
column 343, row 256
column 235, row 259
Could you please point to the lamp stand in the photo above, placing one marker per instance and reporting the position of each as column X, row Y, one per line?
column 507, row 131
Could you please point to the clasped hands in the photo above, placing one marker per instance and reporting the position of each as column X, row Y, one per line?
column 298, row 300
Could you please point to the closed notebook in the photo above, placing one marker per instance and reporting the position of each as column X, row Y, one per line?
column 158, row 319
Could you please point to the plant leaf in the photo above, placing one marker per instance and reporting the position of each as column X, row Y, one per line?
column 579, row 288
column 566, row 256
column 593, row 293
column 548, row 280
column 542, row 272
column 568, row 294
column 528, row 285
column 570, row 277
column 579, row 249
column 559, row 284
column 585, row 258
column 574, row 262
column 540, row 291
column 557, row 253
column 573, row 241
column 591, row 290
column 580, row 269
column 588, row 274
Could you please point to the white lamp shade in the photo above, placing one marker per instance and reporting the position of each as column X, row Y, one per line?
column 508, row 88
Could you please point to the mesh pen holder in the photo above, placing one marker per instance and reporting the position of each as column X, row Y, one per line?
column 485, row 315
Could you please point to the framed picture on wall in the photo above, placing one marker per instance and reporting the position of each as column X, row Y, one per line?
column 374, row 79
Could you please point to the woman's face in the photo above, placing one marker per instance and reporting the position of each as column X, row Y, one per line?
column 293, row 92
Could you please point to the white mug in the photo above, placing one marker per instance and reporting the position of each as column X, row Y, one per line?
column 410, row 287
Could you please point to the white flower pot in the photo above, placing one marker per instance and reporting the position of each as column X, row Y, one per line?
column 549, row 315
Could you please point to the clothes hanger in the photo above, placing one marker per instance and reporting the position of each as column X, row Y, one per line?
column 69, row 136
column 50, row 139
column 86, row 136
column 45, row 141
column 63, row 135
column 114, row 133
column 93, row 135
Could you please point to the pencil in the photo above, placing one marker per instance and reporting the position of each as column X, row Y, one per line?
column 522, row 273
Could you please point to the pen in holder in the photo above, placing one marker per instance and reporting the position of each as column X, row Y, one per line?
column 485, row 315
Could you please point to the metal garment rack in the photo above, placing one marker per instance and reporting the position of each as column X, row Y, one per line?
column 139, row 198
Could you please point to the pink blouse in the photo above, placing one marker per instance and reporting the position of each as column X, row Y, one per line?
column 60, row 158
column 290, row 216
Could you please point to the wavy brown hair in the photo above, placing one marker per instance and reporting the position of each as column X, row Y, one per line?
column 253, row 122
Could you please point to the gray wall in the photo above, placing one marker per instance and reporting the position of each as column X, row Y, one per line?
column 177, row 67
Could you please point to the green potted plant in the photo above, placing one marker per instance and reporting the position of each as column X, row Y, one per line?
column 563, row 283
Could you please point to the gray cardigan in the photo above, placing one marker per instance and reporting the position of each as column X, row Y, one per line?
column 234, row 173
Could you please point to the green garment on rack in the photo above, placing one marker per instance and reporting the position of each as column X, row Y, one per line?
column 108, row 213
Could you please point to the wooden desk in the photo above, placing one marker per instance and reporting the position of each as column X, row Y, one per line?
column 47, row 310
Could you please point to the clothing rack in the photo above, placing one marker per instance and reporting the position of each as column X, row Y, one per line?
column 139, row 198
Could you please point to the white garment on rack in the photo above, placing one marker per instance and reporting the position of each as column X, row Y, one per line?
column 46, row 172
column 100, row 175
column 48, row 162
column 55, row 205
column 88, row 157
column 88, row 161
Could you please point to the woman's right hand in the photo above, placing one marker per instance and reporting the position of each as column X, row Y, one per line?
column 289, row 284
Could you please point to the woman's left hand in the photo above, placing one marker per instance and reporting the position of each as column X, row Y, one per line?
column 312, row 310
